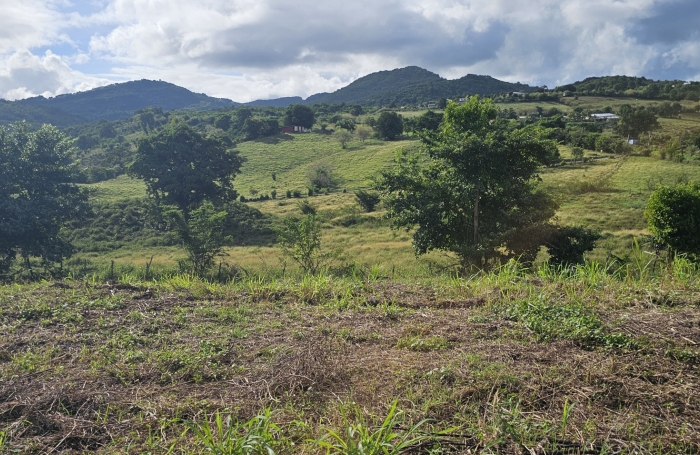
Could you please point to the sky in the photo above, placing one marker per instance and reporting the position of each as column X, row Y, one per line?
column 259, row 49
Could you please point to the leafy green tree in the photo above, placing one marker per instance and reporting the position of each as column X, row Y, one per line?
column 566, row 245
column 577, row 153
column 181, row 167
column 347, row 123
column 301, row 241
column 299, row 115
column 475, row 190
column 343, row 136
column 636, row 121
column 322, row 175
column 36, row 194
column 363, row 132
column 389, row 125
column 367, row 200
column 429, row 121
column 201, row 233
column 673, row 214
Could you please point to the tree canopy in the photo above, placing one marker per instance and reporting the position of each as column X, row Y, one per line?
column 673, row 214
column 182, row 167
column 299, row 115
column 389, row 125
column 473, row 192
column 36, row 193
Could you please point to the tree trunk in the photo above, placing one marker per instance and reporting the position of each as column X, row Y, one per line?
column 476, row 217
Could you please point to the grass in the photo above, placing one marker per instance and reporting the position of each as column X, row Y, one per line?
column 599, row 357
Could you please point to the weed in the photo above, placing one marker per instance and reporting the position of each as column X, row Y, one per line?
column 390, row 438
column 257, row 436
column 419, row 344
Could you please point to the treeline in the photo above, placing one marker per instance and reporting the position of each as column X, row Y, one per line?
column 637, row 87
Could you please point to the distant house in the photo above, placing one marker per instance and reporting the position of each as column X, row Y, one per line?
column 606, row 117
column 432, row 105
column 633, row 141
column 295, row 129
column 518, row 93
column 462, row 100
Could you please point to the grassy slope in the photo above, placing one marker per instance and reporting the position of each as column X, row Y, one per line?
column 614, row 205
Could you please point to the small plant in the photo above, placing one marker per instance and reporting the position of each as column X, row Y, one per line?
column 419, row 344
column 310, row 191
column 392, row 437
column 289, row 194
column 301, row 240
column 296, row 193
column 273, row 194
column 224, row 437
column 368, row 201
column 577, row 153
column 306, row 207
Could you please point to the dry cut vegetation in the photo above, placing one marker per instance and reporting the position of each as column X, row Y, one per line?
column 591, row 360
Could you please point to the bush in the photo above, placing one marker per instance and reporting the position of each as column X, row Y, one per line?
column 567, row 245
column 301, row 241
column 289, row 194
column 367, row 200
column 323, row 175
column 306, row 207
column 673, row 214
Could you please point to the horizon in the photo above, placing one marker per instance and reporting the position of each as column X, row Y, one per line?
column 267, row 49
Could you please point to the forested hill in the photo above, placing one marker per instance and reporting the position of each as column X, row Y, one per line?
column 470, row 84
column 639, row 87
column 375, row 85
column 413, row 85
column 120, row 101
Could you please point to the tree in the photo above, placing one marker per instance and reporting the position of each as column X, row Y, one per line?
column 634, row 122
column 36, row 194
column 442, row 103
column 183, row 168
column 389, row 125
column 577, row 153
column 347, row 123
column 301, row 240
column 322, row 175
column 475, row 190
column 299, row 115
column 367, row 200
column 343, row 136
column 201, row 233
column 673, row 214
column 363, row 132
column 429, row 121
column 566, row 245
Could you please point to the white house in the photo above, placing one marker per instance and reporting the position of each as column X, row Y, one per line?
column 519, row 93
column 605, row 117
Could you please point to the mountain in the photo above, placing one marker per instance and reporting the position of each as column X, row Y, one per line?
column 277, row 102
column 12, row 111
column 120, row 101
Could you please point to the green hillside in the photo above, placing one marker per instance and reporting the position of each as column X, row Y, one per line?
column 635, row 87
column 119, row 101
column 11, row 112
column 413, row 85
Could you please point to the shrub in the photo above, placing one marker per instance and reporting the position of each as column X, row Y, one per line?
column 367, row 200
column 301, row 241
column 673, row 214
column 273, row 193
column 296, row 193
column 289, row 194
column 306, row 207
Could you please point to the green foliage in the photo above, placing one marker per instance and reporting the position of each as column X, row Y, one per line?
column 201, row 233
column 301, row 241
column 257, row 436
column 254, row 128
column 476, row 173
column 367, row 200
column 550, row 321
column 299, row 115
column 389, row 125
column 636, row 121
column 323, row 176
column 634, row 87
column 363, row 132
column 36, row 194
column 577, row 153
column 392, row 437
column 673, row 214
column 567, row 245
column 306, row 207
column 182, row 167
column 343, row 136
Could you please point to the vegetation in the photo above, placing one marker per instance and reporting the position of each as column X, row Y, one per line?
column 37, row 196
column 634, row 87
column 320, row 332
column 477, row 174
column 389, row 125
column 674, row 217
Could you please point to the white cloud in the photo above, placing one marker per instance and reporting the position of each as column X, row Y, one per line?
column 23, row 74
column 249, row 49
